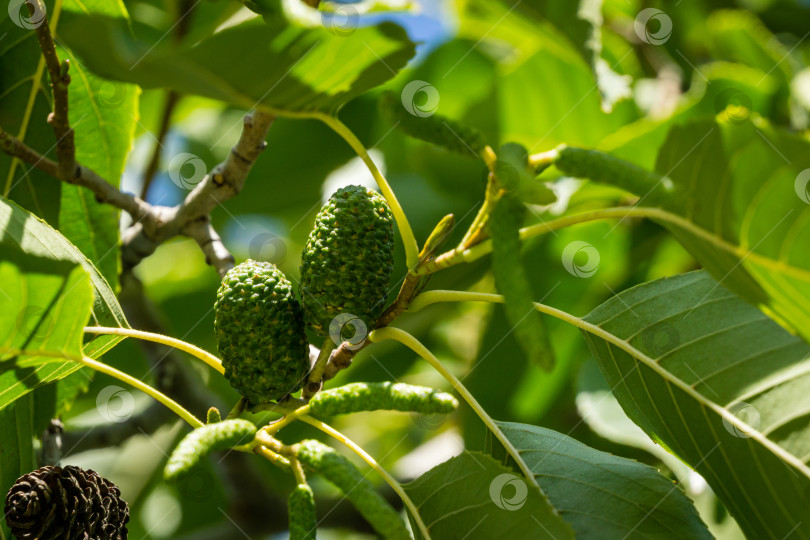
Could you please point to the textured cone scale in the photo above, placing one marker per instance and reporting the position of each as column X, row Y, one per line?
column 347, row 261
column 66, row 503
column 260, row 334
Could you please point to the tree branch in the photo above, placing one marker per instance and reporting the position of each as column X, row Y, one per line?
column 58, row 119
column 154, row 225
column 216, row 254
column 103, row 190
column 220, row 184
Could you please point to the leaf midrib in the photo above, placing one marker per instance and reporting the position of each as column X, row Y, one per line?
column 667, row 376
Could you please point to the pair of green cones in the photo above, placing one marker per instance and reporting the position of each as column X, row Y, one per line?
column 345, row 269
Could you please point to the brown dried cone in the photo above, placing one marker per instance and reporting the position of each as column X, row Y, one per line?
column 66, row 503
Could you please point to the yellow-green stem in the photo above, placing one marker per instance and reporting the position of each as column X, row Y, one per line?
column 477, row 251
column 193, row 350
column 408, row 239
column 272, row 457
column 313, row 384
column 298, row 471
column 111, row 371
column 178, row 409
column 288, row 419
column 395, row 485
column 416, row 346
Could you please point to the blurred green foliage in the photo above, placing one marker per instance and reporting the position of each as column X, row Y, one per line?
column 536, row 73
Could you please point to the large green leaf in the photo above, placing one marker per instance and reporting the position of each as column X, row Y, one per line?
column 287, row 68
column 43, row 309
column 602, row 495
column 721, row 385
column 742, row 210
column 740, row 204
column 35, row 237
column 473, row 496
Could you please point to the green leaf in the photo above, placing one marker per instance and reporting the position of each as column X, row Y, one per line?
column 737, row 197
column 25, row 102
column 35, row 237
column 602, row 495
column 581, row 21
column 286, row 68
column 43, row 309
column 546, row 91
column 722, row 386
column 742, row 207
column 739, row 36
column 17, row 454
column 473, row 496
column 512, row 281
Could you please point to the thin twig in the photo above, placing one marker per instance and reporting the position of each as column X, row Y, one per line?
column 172, row 98
column 58, row 119
column 104, row 191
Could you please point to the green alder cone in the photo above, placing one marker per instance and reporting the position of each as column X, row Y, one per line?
column 301, row 509
column 347, row 261
column 204, row 440
column 345, row 476
column 260, row 334
column 361, row 396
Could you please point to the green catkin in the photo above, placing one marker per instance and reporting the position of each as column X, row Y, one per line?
column 213, row 416
column 204, row 440
column 302, row 517
column 435, row 128
column 345, row 476
column 601, row 167
column 357, row 397
column 512, row 281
